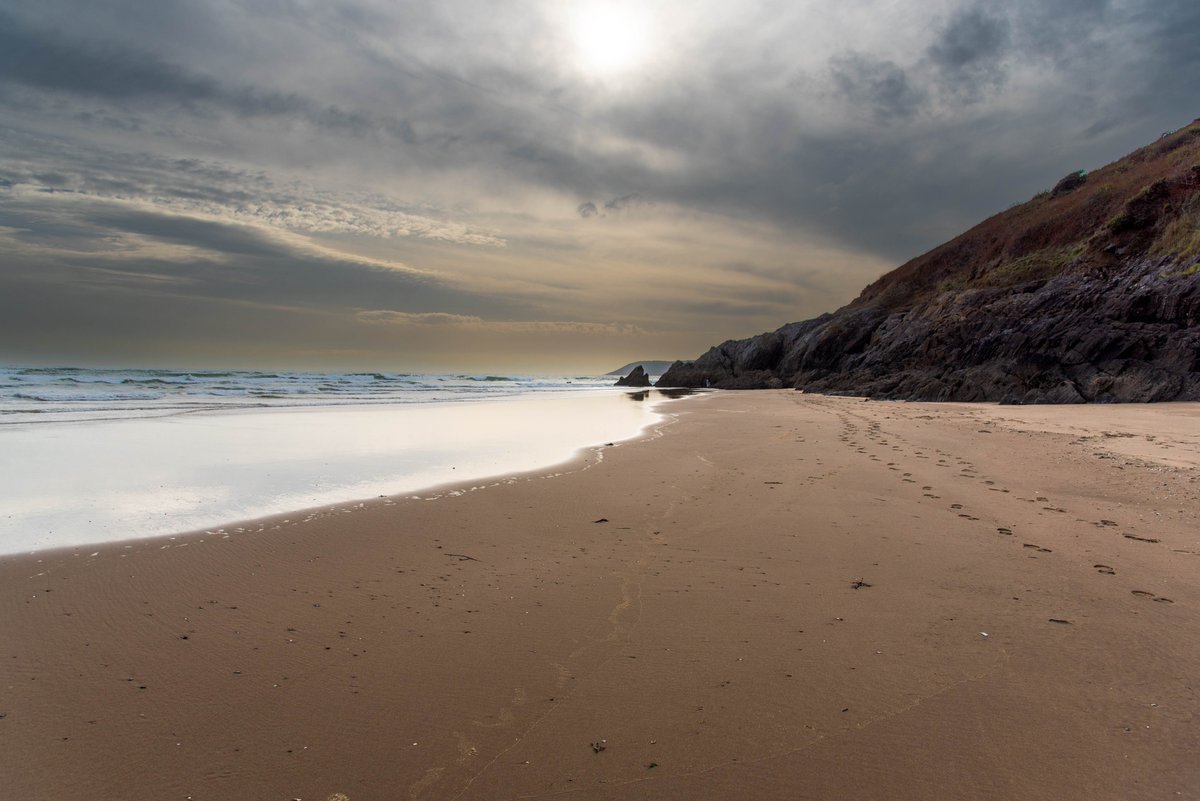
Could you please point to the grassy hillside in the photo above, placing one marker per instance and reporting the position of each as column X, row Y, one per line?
column 1146, row 203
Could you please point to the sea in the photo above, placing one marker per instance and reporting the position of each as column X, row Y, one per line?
column 90, row 456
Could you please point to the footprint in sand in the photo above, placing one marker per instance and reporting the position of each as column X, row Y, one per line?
column 1105, row 569
column 956, row 506
column 1151, row 596
column 1139, row 539
column 1006, row 531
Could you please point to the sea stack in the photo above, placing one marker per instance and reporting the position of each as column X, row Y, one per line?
column 637, row 378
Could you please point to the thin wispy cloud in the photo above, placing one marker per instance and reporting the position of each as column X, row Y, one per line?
column 395, row 318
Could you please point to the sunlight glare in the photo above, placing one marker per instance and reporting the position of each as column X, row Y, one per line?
column 610, row 37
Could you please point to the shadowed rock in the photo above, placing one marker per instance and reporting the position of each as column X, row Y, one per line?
column 637, row 378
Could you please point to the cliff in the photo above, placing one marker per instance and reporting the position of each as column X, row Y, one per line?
column 1088, row 292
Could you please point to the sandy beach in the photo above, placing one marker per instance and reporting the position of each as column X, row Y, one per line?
column 772, row 596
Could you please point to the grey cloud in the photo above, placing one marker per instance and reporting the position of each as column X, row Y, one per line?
column 189, row 186
column 623, row 202
column 395, row 318
column 615, row 205
column 214, row 236
column 889, row 190
column 1060, row 31
column 881, row 85
column 971, row 37
column 49, row 61
column 1100, row 126
column 969, row 54
column 791, row 279
column 224, row 261
column 726, row 308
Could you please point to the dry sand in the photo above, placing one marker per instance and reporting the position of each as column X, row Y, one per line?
column 781, row 596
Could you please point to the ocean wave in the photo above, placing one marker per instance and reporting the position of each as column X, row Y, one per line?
column 101, row 393
column 49, row 370
column 83, row 397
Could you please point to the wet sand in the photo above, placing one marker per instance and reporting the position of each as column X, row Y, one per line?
column 780, row 596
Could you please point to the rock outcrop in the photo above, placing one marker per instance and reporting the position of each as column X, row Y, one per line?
column 1090, row 292
column 637, row 378
column 651, row 366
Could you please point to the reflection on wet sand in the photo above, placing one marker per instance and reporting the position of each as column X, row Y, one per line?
column 145, row 477
column 670, row 393
column 679, row 392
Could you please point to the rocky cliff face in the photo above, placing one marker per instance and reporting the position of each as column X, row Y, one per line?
column 1089, row 292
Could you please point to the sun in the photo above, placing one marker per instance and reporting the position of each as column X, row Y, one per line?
column 610, row 37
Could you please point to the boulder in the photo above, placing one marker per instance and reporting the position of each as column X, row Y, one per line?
column 637, row 378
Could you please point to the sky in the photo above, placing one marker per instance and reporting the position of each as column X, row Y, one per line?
column 526, row 186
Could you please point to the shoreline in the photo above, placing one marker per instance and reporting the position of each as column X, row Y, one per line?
column 773, row 595
column 583, row 458
column 121, row 481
